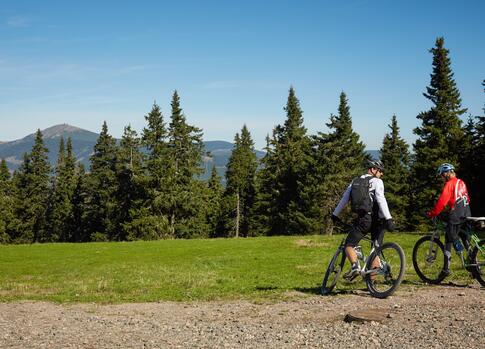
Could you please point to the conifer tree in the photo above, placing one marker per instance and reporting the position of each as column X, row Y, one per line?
column 215, row 192
column 149, row 216
column 128, row 168
column 32, row 194
column 63, row 185
column 473, row 162
column 184, row 200
column 7, row 218
column 240, row 179
column 265, row 189
column 395, row 156
column 4, row 172
column 56, row 201
column 439, row 136
column 101, row 184
column 478, row 189
column 287, row 159
column 338, row 157
column 78, row 223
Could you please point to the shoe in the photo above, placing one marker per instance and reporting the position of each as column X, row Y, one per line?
column 352, row 273
column 445, row 272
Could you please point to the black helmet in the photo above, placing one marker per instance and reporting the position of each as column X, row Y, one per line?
column 376, row 164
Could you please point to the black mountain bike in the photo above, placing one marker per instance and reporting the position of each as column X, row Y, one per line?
column 382, row 280
column 429, row 252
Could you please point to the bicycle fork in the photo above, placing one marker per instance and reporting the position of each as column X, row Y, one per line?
column 433, row 248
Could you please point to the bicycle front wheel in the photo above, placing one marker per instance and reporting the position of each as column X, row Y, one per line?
column 333, row 272
column 478, row 257
column 429, row 259
column 386, row 267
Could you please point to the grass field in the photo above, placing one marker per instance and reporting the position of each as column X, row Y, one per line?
column 264, row 268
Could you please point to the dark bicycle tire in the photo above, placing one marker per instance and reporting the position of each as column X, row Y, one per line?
column 476, row 257
column 334, row 270
column 431, row 274
column 391, row 257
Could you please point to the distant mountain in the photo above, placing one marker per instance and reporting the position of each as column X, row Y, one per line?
column 82, row 145
column 83, row 141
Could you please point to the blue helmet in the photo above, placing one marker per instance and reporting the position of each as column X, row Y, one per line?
column 444, row 168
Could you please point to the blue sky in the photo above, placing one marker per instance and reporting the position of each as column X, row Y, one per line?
column 232, row 62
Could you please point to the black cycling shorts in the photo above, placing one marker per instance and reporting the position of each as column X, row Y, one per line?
column 362, row 226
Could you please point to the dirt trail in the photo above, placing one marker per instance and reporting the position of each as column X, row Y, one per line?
column 444, row 316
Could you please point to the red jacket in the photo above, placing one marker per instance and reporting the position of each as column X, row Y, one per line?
column 455, row 188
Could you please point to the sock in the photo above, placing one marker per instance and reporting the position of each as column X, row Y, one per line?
column 458, row 246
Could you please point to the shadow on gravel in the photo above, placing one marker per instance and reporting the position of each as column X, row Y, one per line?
column 451, row 284
column 317, row 291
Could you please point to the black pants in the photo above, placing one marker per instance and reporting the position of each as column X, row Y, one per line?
column 456, row 219
column 364, row 224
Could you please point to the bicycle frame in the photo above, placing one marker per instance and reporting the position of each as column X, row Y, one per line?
column 467, row 230
column 374, row 246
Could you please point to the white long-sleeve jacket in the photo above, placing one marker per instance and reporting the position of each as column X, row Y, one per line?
column 376, row 190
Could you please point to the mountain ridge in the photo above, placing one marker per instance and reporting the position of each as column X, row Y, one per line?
column 83, row 141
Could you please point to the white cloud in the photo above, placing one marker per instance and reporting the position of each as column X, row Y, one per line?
column 18, row 22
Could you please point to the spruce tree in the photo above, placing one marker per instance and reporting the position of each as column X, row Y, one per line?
column 101, row 184
column 7, row 218
column 56, row 201
column 32, row 194
column 63, row 185
column 149, row 215
column 338, row 157
column 184, row 200
column 240, row 187
column 265, row 190
column 286, row 163
column 79, row 221
column 128, row 168
column 439, row 136
column 215, row 192
column 395, row 156
column 473, row 162
column 478, row 192
column 4, row 172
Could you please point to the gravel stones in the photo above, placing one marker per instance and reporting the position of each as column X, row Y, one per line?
column 419, row 317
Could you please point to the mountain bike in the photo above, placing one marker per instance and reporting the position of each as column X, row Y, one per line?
column 429, row 252
column 381, row 281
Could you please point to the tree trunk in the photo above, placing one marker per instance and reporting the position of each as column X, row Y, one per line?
column 238, row 214
column 172, row 225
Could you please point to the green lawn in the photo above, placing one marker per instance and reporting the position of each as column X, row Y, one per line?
column 264, row 268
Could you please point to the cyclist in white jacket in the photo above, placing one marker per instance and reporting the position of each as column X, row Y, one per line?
column 374, row 220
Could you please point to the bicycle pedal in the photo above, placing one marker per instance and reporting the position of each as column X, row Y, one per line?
column 352, row 275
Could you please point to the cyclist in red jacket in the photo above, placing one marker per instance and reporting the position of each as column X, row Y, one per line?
column 455, row 196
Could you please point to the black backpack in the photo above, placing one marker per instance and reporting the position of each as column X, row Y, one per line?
column 360, row 199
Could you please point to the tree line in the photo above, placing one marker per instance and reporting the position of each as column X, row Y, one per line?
column 148, row 186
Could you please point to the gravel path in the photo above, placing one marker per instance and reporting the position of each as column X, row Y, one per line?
column 431, row 317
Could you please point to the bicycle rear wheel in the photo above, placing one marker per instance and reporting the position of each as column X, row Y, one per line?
column 384, row 279
column 478, row 257
column 333, row 272
column 429, row 259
